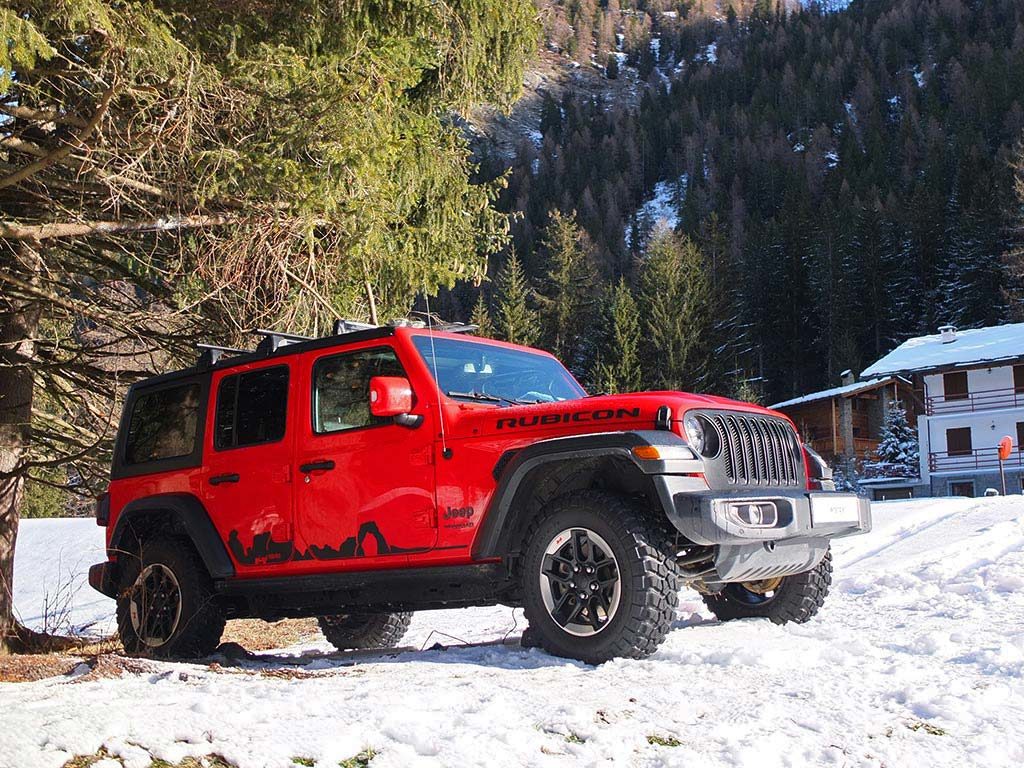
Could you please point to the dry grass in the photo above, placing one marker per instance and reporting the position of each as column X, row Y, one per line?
column 104, row 659
column 28, row 668
column 210, row 761
column 257, row 635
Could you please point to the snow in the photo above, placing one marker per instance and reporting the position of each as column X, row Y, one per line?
column 843, row 391
column 920, row 78
column 711, row 53
column 832, row 158
column 51, row 567
column 917, row 659
column 971, row 347
column 660, row 208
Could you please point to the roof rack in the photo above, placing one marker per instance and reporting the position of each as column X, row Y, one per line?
column 210, row 354
column 457, row 328
column 351, row 326
column 274, row 340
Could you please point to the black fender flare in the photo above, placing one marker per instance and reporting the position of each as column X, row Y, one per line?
column 183, row 514
column 515, row 467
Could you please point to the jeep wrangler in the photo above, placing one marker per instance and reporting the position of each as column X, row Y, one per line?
column 384, row 470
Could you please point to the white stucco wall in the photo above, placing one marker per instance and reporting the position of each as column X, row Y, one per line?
column 988, row 426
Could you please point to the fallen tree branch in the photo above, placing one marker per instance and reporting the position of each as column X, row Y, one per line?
column 86, row 228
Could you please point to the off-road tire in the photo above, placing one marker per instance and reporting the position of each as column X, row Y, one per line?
column 642, row 545
column 198, row 630
column 796, row 599
column 357, row 631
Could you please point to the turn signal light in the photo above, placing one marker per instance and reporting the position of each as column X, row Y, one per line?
column 647, row 452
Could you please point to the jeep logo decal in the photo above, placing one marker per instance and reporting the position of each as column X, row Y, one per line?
column 602, row 414
column 452, row 512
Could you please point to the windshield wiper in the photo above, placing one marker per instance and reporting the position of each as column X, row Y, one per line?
column 474, row 395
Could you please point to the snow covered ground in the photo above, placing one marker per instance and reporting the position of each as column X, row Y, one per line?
column 916, row 660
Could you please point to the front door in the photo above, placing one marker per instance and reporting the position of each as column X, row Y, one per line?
column 364, row 484
column 248, row 468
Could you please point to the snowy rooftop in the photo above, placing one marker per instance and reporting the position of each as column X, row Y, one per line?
column 844, row 391
column 983, row 345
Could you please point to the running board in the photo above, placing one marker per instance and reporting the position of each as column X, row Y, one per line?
column 400, row 589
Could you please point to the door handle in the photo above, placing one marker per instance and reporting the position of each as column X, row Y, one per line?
column 313, row 466
column 228, row 478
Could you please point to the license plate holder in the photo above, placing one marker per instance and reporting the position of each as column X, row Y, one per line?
column 827, row 509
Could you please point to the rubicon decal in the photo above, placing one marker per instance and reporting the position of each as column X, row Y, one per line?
column 601, row 414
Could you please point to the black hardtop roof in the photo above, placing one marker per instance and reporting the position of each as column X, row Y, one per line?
column 293, row 348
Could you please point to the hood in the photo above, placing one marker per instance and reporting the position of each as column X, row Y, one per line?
column 603, row 413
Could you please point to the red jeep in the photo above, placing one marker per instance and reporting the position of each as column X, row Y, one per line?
column 380, row 471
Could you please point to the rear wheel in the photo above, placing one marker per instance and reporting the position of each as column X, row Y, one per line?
column 599, row 578
column 356, row 631
column 167, row 607
column 787, row 598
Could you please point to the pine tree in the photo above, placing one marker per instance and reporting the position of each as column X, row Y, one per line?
column 186, row 170
column 515, row 321
column 618, row 368
column 898, row 452
column 481, row 318
column 566, row 296
column 611, row 68
column 675, row 302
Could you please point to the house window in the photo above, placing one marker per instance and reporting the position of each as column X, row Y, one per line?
column 963, row 488
column 1018, row 378
column 1020, row 436
column 954, row 385
column 958, row 441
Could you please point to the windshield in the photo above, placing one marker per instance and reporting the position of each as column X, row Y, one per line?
column 468, row 370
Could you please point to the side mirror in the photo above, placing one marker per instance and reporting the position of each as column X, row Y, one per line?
column 392, row 396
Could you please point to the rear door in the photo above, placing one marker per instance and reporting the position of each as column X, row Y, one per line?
column 364, row 485
column 247, row 479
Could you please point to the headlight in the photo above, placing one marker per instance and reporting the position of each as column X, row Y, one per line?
column 695, row 434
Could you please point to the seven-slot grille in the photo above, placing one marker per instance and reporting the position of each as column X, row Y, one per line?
column 757, row 450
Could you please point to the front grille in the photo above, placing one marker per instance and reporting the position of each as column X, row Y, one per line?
column 757, row 450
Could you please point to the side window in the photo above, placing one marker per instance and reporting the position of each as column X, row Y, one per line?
column 251, row 408
column 341, row 388
column 954, row 385
column 163, row 425
column 958, row 441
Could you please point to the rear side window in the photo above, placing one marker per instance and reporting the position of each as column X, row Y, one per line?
column 163, row 425
column 251, row 408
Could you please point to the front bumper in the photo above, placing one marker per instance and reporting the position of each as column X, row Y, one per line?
column 794, row 542
column 103, row 577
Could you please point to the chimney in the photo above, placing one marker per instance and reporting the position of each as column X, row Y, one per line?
column 947, row 333
column 846, row 377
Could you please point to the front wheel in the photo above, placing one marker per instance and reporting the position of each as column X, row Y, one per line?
column 599, row 578
column 781, row 600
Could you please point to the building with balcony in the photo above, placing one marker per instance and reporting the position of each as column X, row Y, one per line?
column 969, row 388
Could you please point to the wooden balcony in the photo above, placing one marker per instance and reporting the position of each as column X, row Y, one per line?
column 862, row 447
column 978, row 459
column 984, row 400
